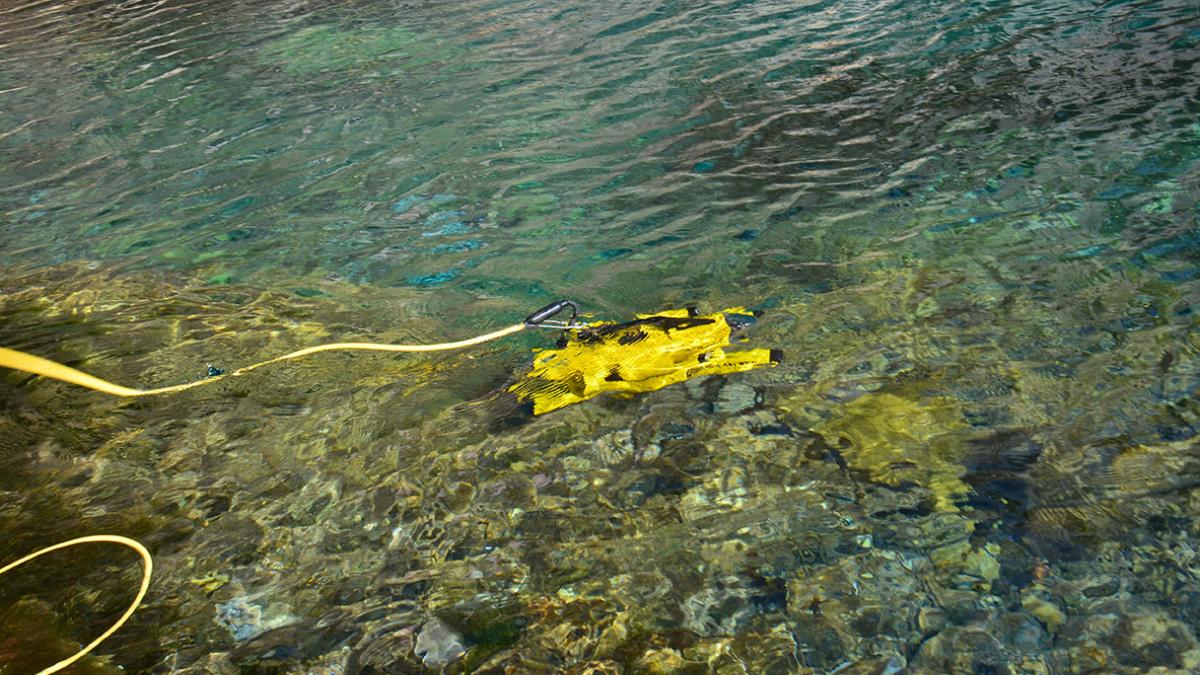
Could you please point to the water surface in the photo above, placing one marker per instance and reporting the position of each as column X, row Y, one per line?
column 970, row 227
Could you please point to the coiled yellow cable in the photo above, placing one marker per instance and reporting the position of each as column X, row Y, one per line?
column 147, row 569
column 17, row 360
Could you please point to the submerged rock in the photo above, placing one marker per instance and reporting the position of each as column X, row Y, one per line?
column 897, row 440
column 438, row 645
column 735, row 397
column 246, row 619
column 1045, row 611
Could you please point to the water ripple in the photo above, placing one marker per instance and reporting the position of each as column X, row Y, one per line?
column 592, row 127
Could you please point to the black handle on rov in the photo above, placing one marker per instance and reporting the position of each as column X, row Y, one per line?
column 541, row 318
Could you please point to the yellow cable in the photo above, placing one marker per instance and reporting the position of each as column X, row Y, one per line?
column 147, row 568
column 11, row 358
column 17, row 360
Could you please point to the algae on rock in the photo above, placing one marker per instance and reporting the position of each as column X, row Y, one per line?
column 897, row 441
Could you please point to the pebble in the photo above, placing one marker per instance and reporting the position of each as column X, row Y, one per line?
column 438, row 645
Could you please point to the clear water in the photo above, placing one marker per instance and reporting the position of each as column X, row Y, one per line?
column 970, row 226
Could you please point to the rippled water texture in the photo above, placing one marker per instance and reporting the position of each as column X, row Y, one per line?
column 969, row 226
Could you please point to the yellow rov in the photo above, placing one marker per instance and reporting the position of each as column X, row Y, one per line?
column 646, row 354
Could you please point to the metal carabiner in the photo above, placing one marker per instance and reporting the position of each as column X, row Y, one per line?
column 541, row 318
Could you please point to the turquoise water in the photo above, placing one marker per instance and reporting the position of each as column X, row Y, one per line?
column 970, row 228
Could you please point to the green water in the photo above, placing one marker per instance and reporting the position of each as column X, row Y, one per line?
column 971, row 228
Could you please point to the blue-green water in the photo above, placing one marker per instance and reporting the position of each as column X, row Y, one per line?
column 970, row 227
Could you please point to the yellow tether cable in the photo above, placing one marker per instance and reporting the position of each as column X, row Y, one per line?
column 17, row 360
column 11, row 358
column 147, row 568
